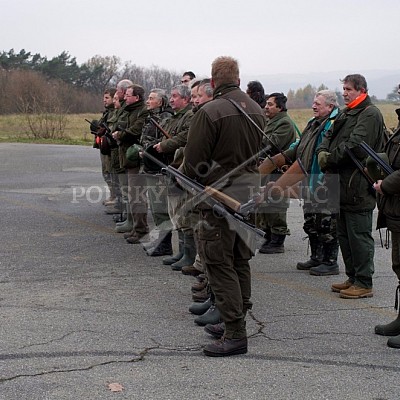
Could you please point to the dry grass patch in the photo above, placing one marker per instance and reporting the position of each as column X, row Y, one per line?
column 13, row 128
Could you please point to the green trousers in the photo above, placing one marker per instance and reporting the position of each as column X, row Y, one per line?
column 225, row 255
column 357, row 246
column 158, row 200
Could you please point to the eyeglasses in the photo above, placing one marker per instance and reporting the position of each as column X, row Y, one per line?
column 185, row 80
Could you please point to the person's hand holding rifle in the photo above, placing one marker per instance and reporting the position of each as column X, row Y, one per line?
column 163, row 131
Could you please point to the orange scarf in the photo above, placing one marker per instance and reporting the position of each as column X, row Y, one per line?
column 357, row 100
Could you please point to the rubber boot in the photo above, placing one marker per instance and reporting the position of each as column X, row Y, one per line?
column 393, row 328
column 211, row 316
column 189, row 253
column 275, row 245
column 127, row 225
column 316, row 254
column 200, row 308
column 394, row 342
column 179, row 255
column 329, row 265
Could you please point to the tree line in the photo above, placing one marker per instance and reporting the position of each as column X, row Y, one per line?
column 31, row 83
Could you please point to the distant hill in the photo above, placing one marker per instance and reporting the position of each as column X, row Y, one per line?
column 380, row 82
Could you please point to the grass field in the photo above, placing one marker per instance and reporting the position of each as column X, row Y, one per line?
column 13, row 128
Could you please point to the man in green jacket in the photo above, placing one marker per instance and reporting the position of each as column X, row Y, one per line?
column 388, row 191
column 221, row 138
column 135, row 114
column 177, row 127
column 280, row 132
column 319, row 207
column 359, row 121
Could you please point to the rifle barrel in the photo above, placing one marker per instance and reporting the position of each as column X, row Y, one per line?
column 358, row 164
column 158, row 126
column 374, row 155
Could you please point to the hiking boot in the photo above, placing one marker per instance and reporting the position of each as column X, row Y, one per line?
column 136, row 238
column 199, row 286
column 216, row 330
column 275, row 246
column 200, row 296
column 226, row 347
column 212, row 316
column 394, row 342
column 356, row 292
column 190, row 270
column 316, row 254
column 337, row 287
column 325, row 270
column 328, row 265
column 163, row 245
column 163, row 249
column 303, row 266
column 200, row 308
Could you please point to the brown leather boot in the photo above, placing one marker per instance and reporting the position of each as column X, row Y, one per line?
column 356, row 292
column 226, row 347
column 337, row 287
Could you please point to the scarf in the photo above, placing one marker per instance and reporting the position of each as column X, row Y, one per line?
column 357, row 101
column 316, row 174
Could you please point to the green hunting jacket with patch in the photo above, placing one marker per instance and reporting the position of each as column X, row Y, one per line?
column 221, row 139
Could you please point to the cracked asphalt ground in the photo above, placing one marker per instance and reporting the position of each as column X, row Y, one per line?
column 80, row 308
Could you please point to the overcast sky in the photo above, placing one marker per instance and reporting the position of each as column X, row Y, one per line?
column 292, row 36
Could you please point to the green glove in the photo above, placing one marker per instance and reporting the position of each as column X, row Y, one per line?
column 323, row 159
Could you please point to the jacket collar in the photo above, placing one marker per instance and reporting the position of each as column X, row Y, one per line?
column 223, row 89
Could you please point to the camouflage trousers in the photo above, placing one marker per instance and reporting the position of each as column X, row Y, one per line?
column 321, row 225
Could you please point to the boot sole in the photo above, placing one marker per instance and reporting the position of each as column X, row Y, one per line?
column 241, row 350
column 338, row 290
column 192, row 273
column 123, row 230
column 204, row 323
column 324, row 273
column 272, row 252
column 170, row 262
column 361, row 296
